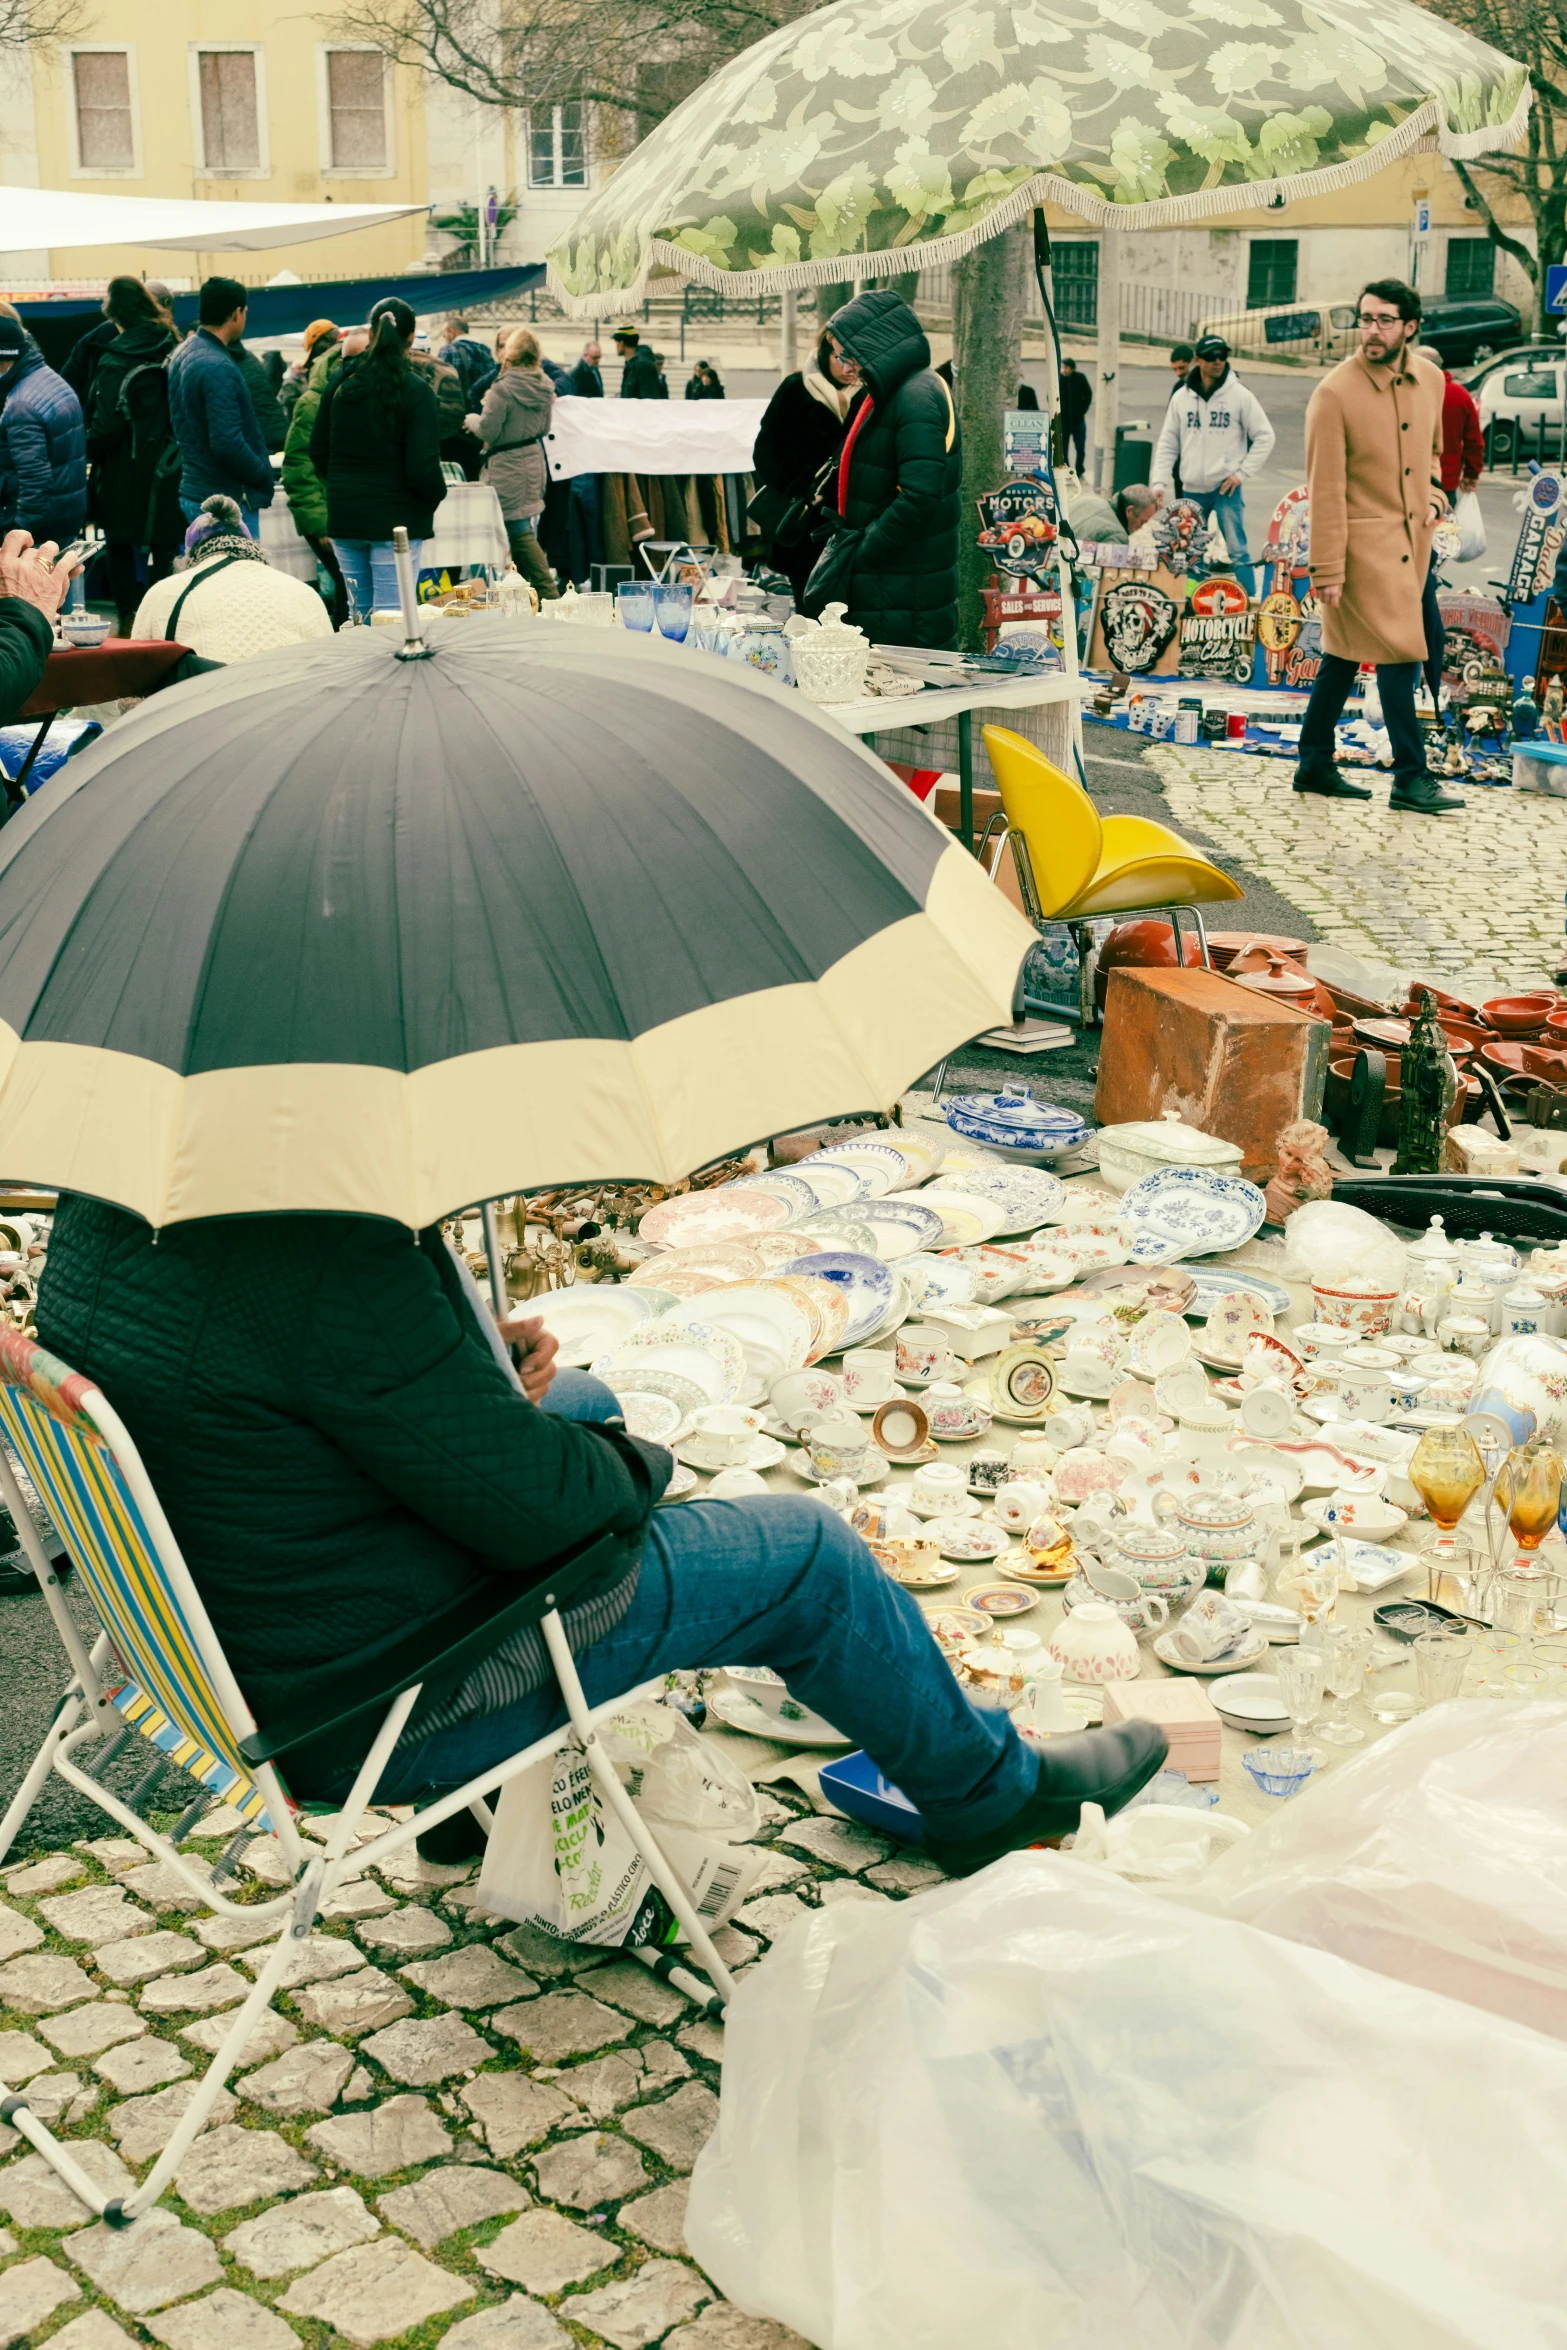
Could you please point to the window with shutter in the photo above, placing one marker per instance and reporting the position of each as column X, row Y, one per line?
column 105, row 137
column 356, row 102
column 230, row 115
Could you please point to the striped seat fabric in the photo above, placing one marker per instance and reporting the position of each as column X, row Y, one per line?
column 46, row 1413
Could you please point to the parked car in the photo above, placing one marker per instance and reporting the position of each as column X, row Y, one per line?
column 1517, row 355
column 1464, row 331
column 1321, row 332
column 1521, row 405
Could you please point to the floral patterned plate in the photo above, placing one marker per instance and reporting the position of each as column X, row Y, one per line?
column 726, row 1213
column 1208, row 1212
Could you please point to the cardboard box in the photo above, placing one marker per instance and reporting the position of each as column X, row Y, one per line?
column 1183, row 1711
column 1230, row 1059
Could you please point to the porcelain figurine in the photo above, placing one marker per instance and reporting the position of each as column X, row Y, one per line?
column 1303, row 1173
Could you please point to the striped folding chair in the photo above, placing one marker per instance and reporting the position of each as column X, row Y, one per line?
column 157, row 1672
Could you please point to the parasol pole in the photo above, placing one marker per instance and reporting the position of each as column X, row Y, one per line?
column 1108, row 397
column 413, row 646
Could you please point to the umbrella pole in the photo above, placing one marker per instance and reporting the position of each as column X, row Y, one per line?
column 413, row 647
column 1108, row 402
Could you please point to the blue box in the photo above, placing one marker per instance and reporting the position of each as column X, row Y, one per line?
column 857, row 1787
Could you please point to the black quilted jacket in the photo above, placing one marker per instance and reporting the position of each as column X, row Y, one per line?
column 904, row 469
column 339, row 1451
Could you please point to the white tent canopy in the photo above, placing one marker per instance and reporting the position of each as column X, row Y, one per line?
column 37, row 219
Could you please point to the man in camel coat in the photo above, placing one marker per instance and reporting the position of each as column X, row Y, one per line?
column 1374, row 470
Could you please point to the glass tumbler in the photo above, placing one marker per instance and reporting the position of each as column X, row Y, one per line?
column 1347, row 1650
column 1302, row 1676
column 672, row 609
column 1441, row 1661
column 634, row 602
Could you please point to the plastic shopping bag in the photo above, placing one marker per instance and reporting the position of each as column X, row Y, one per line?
column 1043, row 2109
column 1439, row 1856
column 1469, row 523
column 560, row 1858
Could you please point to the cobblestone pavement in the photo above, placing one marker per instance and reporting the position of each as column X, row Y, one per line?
column 1474, row 899
column 450, row 2130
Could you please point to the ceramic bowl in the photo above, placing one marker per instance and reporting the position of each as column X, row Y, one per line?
column 1092, row 1644
column 1360, row 1307
column 1315, row 1339
column 1085, row 1471
column 1520, row 1015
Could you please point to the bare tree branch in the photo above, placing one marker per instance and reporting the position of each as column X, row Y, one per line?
column 1535, row 33
column 34, row 24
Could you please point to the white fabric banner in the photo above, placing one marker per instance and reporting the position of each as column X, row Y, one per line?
column 651, row 436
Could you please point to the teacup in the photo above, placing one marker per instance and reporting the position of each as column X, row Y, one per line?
column 881, row 1519
column 908, row 1558
column 726, row 1433
column 837, row 1447
column 1314, row 1339
column 734, row 1485
column 1139, row 1610
column 1085, row 1471
column 1465, row 1334
column 801, row 1397
column 922, row 1353
column 1210, row 1628
column 1088, row 1370
column 900, row 1427
column 938, row 1481
column 988, row 1471
column 1020, row 1501
column 761, row 1682
column 952, row 1414
column 1266, row 1412
column 869, row 1375
column 1071, row 1423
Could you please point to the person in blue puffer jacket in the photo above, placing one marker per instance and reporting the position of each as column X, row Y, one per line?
column 43, row 441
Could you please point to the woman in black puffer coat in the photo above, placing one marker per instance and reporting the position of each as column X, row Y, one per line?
column 898, row 477
column 802, row 428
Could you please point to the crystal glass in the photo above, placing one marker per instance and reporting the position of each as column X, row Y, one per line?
column 1447, row 1472
column 1441, row 1660
column 1347, row 1649
column 1285, row 1544
column 634, row 602
column 1302, row 1676
column 1525, row 1601
column 1527, row 1680
column 672, row 609
column 1529, row 1488
column 1450, row 1570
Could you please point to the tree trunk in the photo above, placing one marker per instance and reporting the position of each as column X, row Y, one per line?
column 987, row 360
column 832, row 297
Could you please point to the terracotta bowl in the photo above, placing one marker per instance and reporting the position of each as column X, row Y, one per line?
column 1225, row 945
column 1519, row 1015
column 1556, row 1025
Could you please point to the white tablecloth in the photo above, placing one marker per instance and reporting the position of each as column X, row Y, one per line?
column 652, row 436
column 468, row 529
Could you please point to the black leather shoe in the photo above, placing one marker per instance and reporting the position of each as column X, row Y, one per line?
column 1106, row 1767
column 457, row 1839
column 1321, row 778
column 1422, row 795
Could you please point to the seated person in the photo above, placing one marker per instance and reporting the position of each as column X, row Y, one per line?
column 1138, row 507
column 333, row 1425
column 1093, row 519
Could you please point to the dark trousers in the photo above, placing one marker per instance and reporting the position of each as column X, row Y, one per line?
column 124, row 585
column 326, row 555
column 1396, row 681
column 1077, row 444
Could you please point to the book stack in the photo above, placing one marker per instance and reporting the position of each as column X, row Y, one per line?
column 1182, row 1710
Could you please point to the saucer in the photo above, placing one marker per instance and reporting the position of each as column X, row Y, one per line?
column 764, row 1452
column 1235, row 1660
column 1000, row 1599
column 682, row 1481
column 916, row 1459
column 738, row 1710
column 868, row 1411
column 964, row 1538
column 957, row 1505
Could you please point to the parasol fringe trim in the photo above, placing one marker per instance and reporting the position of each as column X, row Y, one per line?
column 1423, row 130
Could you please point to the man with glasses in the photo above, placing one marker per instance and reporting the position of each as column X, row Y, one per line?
column 1374, row 471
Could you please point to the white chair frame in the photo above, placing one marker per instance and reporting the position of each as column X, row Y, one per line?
column 85, row 1715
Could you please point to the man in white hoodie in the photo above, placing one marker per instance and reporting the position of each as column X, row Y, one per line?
column 1216, row 435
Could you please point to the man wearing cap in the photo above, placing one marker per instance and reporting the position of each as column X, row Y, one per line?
column 1374, row 472
column 639, row 376
column 1216, row 435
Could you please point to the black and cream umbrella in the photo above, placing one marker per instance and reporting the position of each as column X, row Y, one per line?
column 332, row 930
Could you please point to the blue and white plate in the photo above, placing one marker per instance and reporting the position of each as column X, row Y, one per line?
column 785, row 1185
column 833, row 1182
column 900, row 1225
column 1025, row 1195
column 938, row 1281
column 1212, row 1283
column 871, row 1287
column 1206, row 1212
column 882, row 1164
column 1146, row 1244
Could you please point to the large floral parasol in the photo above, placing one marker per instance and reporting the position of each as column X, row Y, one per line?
column 913, row 129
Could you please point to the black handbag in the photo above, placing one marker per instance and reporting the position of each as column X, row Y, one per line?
column 832, row 575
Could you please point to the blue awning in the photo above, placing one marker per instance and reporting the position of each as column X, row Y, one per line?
column 288, row 310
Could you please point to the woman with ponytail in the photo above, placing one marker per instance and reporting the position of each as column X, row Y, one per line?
column 376, row 445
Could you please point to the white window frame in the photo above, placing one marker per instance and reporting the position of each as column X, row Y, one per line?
column 96, row 171
column 353, row 171
column 557, row 187
column 198, row 134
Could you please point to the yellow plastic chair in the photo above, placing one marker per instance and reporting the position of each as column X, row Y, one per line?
column 1073, row 864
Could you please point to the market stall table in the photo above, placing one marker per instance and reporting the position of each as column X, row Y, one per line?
column 911, row 714
column 77, row 676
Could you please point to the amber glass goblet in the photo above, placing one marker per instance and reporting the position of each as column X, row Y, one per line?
column 1447, row 1472
column 1529, row 1487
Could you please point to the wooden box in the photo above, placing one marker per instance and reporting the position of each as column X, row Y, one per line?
column 1183, row 1711
column 1230, row 1059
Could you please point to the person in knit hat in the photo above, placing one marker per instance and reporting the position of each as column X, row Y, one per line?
column 322, row 334
column 223, row 598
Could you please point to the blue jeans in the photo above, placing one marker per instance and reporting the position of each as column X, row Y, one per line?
column 777, row 1580
column 1231, row 513
column 191, row 507
column 370, row 572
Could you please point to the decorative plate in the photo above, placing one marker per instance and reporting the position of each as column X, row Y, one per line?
column 592, row 1319
column 869, row 1285
column 713, row 1358
column 902, row 1225
column 1022, row 1380
column 645, row 1375
column 737, row 1709
column 773, row 1249
column 1235, row 1661
column 1085, row 1203
column 783, row 1183
column 882, row 1164
column 652, row 1417
column 950, row 1505
column 716, row 1260
column 1024, row 1195
column 1001, row 1599
column 825, row 1305
column 965, row 1216
column 893, row 1319
column 1324, row 1469
column 841, row 1228
column 938, row 1281
column 833, row 1182
column 966, row 1538
column 953, row 1628
column 763, row 1318
column 1208, row 1212
column 1213, row 1282
column 1147, row 1245
column 1024, row 1570
column 721, row 1214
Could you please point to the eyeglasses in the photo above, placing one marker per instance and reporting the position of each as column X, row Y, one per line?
column 1380, row 318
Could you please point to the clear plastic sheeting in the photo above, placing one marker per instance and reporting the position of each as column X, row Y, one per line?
column 1047, row 2110
column 1438, row 1856
column 1329, row 1241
